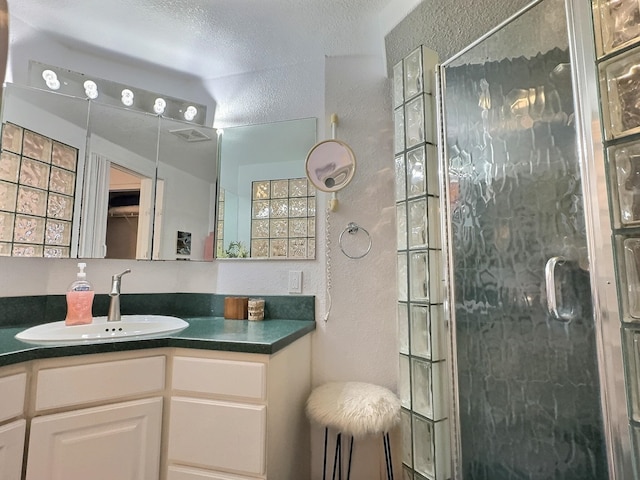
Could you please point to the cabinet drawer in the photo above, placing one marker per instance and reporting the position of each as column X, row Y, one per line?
column 220, row 377
column 12, row 398
column 217, row 435
column 74, row 385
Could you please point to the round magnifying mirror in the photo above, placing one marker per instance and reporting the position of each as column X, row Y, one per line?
column 330, row 165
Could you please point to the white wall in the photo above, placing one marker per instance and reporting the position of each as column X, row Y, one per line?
column 358, row 342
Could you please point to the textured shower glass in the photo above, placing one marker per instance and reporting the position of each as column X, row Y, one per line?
column 619, row 22
column 620, row 88
column 418, row 276
column 625, row 162
column 398, row 130
column 400, row 178
column 416, row 172
column 629, row 263
column 417, row 216
column 420, row 331
column 528, row 385
column 401, row 218
column 404, row 381
column 403, row 328
column 403, row 292
column 398, row 88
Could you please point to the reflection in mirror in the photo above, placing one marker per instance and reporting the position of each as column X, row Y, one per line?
column 101, row 203
column 126, row 141
column 266, row 207
column 331, row 165
column 186, row 191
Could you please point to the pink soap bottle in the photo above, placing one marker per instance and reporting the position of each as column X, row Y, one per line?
column 80, row 299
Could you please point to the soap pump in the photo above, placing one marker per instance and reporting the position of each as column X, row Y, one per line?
column 80, row 299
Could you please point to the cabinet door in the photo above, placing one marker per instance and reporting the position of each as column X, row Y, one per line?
column 218, row 435
column 119, row 441
column 11, row 448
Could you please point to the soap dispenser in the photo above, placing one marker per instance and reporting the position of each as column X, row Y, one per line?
column 80, row 299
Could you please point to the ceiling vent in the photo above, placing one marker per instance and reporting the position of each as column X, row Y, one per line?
column 190, row 135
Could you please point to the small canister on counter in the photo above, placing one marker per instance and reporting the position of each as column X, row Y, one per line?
column 256, row 309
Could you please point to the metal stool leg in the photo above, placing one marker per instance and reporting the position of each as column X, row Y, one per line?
column 387, row 455
column 324, row 461
column 337, row 458
column 350, row 455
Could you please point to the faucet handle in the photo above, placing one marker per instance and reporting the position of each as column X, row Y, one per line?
column 119, row 276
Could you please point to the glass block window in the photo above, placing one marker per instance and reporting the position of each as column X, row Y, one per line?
column 37, row 187
column 283, row 218
column 220, row 225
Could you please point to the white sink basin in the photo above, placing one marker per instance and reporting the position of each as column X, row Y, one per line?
column 130, row 327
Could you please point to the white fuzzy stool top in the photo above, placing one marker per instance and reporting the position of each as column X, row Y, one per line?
column 354, row 408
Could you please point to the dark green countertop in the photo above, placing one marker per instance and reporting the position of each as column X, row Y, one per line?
column 207, row 333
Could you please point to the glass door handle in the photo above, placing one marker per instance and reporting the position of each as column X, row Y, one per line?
column 550, row 283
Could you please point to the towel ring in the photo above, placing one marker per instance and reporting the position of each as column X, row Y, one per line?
column 353, row 228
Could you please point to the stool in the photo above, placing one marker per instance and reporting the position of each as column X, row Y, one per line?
column 356, row 409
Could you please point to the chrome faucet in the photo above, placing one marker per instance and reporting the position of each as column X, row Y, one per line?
column 114, row 305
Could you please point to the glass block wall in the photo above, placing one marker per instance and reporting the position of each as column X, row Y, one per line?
column 283, row 218
column 423, row 375
column 37, row 186
column 617, row 33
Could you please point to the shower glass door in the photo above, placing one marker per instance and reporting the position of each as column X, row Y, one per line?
column 527, row 382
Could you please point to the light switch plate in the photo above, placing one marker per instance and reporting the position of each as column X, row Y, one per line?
column 295, row 281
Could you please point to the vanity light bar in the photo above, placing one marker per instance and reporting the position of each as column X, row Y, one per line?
column 77, row 84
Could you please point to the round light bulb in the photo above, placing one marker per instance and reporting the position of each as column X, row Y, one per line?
column 49, row 75
column 91, row 89
column 127, row 97
column 190, row 113
column 159, row 106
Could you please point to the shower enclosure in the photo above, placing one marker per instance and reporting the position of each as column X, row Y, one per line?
column 536, row 357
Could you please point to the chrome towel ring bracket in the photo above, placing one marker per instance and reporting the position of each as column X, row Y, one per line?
column 352, row 229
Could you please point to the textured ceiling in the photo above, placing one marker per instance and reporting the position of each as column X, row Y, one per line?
column 210, row 38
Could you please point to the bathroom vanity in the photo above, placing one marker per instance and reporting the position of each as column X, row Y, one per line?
column 222, row 399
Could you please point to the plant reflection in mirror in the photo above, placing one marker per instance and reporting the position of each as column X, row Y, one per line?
column 234, row 250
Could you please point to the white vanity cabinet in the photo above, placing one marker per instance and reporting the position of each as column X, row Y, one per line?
column 239, row 416
column 96, row 417
column 12, row 423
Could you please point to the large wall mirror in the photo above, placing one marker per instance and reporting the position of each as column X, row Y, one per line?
column 266, row 206
column 81, row 179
